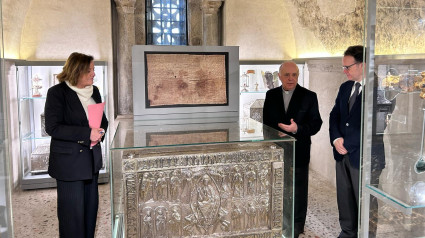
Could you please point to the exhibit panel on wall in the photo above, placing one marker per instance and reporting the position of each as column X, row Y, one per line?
column 201, row 179
column 185, row 81
column 33, row 81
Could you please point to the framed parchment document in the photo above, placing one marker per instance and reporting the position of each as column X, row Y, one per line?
column 179, row 82
column 176, row 79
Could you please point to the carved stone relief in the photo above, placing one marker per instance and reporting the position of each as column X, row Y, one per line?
column 337, row 32
column 334, row 33
column 222, row 193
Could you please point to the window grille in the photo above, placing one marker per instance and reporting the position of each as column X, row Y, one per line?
column 166, row 22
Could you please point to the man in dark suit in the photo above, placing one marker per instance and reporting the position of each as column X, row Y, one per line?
column 344, row 133
column 294, row 110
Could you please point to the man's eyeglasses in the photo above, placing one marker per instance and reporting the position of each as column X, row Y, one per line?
column 348, row 66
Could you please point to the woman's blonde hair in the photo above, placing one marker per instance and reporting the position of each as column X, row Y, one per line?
column 76, row 65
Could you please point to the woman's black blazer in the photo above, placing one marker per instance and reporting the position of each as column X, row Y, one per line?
column 71, row 158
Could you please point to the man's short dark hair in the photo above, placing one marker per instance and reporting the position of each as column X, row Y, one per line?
column 356, row 51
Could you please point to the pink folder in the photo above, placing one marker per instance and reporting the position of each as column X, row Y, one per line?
column 95, row 112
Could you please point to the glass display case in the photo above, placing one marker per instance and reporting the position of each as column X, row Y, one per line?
column 5, row 188
column 393, row 178
column 201, row 179
column 33, row 80
column 393, row 165
column 256, row 78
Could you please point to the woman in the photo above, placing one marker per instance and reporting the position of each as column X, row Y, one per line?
column 73, row 162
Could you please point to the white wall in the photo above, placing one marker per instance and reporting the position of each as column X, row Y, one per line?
column 325, row 77
column 263, row 31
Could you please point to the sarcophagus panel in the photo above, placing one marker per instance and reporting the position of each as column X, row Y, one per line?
column 231, row 190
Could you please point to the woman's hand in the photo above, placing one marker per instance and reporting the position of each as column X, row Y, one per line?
column 96, row 134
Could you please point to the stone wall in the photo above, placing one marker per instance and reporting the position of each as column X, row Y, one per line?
column 325, row 77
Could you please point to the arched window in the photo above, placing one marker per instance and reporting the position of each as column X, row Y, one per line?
column 166, row 22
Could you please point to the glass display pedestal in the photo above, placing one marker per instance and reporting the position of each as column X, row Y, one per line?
column 201, row 179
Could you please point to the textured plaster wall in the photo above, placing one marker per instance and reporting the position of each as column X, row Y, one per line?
column 400, row 27
column 286, row 29
column 262, row 31
column 283, row 29
column 324, row 27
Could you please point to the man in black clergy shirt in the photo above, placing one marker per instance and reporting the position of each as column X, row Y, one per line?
column 294, row 110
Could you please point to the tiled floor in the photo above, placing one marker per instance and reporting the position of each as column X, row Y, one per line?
column 322, row 214
column 34, row 212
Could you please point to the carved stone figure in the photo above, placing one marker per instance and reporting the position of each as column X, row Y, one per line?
column 161, row 187
column 237, row 218
column 205, row 205
column 148, row 223
column 225, row 190
column 188, row 180
column 160, row 222
column 264, row 180
column 175, row 185
column 224, row 223
column 251, row 179
column 204, row 192
column 175, row 222
column 237, row 183
column 264, row 212
column 146, row 187
column 251, row 212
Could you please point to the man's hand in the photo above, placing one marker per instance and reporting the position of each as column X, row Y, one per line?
column 281, row 134
column 289, row 128
column 339, row 146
